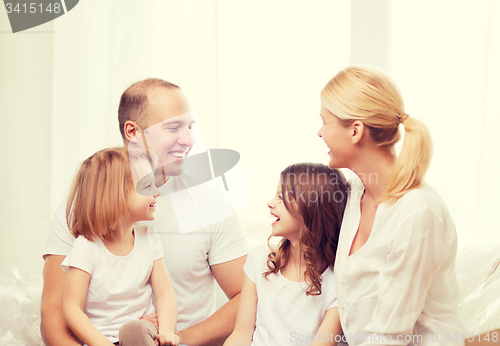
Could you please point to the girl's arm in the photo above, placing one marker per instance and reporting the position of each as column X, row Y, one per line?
column 245, row 319
column 75, row 293
column 329, row 329
column 166, row 303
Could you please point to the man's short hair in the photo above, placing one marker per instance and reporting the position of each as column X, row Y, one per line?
column 134, row 102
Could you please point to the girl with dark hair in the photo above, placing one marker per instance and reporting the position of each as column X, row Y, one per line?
column 288, row 294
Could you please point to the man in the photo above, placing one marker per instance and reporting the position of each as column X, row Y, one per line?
column 155, row 114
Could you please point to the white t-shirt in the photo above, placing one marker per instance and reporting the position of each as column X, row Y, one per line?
column 401, row 283
column 188, row 255
column 119, row 290
column 285, row 314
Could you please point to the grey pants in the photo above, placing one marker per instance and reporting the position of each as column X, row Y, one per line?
column 137, row 333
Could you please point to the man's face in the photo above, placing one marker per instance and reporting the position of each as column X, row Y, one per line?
column 169, row 132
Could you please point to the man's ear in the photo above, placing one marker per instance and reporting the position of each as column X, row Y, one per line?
column 357, row 131
column 131, row 129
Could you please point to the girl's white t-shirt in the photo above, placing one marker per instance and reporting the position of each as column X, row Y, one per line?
column 285, row 314
column 119, row 290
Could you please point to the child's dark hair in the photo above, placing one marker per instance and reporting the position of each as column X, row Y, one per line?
column 315, row 195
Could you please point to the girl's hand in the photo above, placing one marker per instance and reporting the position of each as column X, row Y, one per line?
column 153, row 318
column 167, row 339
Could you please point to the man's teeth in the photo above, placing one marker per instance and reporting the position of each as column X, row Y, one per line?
column 178, row 154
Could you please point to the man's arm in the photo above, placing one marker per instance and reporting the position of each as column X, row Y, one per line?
column 53, row 327
column 214, row 330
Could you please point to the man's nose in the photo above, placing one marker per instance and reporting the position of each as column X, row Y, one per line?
column 186, row 137
column 154, row 190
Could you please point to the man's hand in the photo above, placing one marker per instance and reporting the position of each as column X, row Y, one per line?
column 181, row 340
column 153, row 318
column 167, row 339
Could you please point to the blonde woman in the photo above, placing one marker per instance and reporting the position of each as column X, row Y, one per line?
column 394, row 268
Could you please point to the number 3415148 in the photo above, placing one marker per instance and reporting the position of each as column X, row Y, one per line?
column 33, row 7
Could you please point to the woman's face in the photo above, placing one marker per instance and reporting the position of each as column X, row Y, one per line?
column 337, row 139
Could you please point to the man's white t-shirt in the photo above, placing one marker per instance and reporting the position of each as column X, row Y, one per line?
column 119, row 290
column 188, row 256
column 285, row 314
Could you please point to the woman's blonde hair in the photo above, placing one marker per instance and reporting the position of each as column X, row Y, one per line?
column 370, row 96
column 97, row 199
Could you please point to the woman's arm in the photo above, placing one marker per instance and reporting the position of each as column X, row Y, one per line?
column 245, row 319
column 330, row 330
column 166, row 303
column 77, row 282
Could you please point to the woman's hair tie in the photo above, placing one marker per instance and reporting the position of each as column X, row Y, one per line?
column 402, row 118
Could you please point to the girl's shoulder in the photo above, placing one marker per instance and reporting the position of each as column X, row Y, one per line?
column 81, row 241
column 84, row 247
column 259, row 250
column 259, row 255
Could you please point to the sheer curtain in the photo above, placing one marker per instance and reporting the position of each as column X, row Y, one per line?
column 445, row 58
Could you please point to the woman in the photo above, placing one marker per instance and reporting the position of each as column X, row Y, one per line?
column 394, row 268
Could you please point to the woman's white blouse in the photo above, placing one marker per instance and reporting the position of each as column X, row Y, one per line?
column 400, row 287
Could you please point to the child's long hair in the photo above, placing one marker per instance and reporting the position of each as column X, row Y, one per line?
column 98, row 194
column 315, row 195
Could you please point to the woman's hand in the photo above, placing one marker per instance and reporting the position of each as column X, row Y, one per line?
column 167, row 339
column 153, row 318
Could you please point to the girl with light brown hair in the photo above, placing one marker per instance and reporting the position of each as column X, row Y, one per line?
column 394, row 267
column 288, row 295
column 115, row 265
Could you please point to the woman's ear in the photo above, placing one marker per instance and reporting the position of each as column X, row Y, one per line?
column 357, row 131
column 131, row 129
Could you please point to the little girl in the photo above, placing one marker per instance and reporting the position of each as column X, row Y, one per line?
column 115, row 265
column 288, row 295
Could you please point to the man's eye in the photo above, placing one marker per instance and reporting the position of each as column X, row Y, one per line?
column 173, row 128
column 147, row 186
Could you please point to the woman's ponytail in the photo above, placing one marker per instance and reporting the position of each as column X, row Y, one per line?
column 413, row 161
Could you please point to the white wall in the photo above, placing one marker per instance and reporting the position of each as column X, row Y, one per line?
column 25, row 153
column 446, row 62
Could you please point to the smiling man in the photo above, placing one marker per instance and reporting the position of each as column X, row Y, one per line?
column 155, row 115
